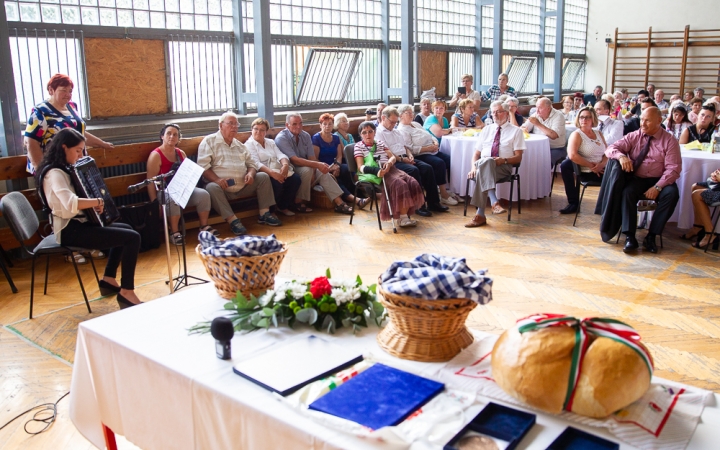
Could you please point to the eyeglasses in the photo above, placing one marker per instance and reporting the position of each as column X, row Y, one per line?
column 585, row 117
column 496, row 112
column 232, row 124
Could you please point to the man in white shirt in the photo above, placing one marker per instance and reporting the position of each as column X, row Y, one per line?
column 231, row 173
column 501, row 144
column 662, row 105
column 551, row 123
column 611, row 129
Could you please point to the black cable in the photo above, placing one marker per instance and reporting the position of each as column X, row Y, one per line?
column 38, row 416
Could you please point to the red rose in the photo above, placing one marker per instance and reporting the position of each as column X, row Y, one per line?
column 320, row 286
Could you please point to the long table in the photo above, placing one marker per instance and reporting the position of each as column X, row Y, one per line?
column 138, row 373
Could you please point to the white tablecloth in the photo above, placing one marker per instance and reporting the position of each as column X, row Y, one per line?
column 696, row 166
column 140, row 373
column 534, row 171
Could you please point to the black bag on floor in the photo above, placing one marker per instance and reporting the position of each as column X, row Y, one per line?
column 145, row 219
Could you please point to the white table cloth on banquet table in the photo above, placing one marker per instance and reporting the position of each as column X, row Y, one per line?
column 534, row 170
column 696, row 166
column 138, row 372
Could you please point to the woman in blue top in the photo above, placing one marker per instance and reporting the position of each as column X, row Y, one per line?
column 342, row 125
column 437, row 124
column 329, row 149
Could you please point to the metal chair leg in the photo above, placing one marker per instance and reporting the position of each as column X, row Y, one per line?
column 82, row 287
column 519, row 197
column 8, row 277
column 47, row 271
column 714, row 227
column 6, row 257
column 352, row 212
column 579, row 204
column 512, row 184
column 92, row 261
column 32, row 285
column 377, row 207
column 467, row 196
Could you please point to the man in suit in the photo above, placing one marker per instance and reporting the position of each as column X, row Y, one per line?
column 643, row 165
column 591, row 99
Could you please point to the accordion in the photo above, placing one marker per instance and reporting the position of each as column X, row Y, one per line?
column 89, row 183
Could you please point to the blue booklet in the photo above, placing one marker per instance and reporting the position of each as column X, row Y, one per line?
column 380, row 396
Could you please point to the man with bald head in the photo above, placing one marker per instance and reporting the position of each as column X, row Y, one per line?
column 549, row 122
column 642, row 165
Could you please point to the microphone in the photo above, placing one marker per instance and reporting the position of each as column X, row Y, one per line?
column 136, row 187
column 222, row 330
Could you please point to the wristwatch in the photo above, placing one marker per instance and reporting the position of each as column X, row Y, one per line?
column 658, row 188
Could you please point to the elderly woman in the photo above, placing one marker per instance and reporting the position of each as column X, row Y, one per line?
column 405, row 194
column 677, row 120
column 704, row 194
column 425, row 107
column 437, row 124
column 329, row 149
column 586, row 148
column 467, row 117
column 702, row 131
column 617, row 105
column 162, row 160
column 70, row 225
column 269, row 159
column 424, row 147
column 342, row 124
column 54, row 114
column 578, row 102
column 514, row 118
column 695, row 106
column 568, row 112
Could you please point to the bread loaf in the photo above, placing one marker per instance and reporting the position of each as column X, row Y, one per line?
column 535, row 366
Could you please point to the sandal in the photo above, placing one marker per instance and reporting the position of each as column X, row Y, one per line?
column 79, row 259
column 497, row 209
column 301, row 208
column 97, row 254
column 362, row 202
column 177, row 238
column 343, row 208
column 688, row 236
column 210, row 229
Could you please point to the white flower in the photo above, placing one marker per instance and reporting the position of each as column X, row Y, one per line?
column 339, row 295
column 297, row 290
column 342, row 283
column 266, row 297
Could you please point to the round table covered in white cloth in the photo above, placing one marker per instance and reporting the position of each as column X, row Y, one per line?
column 696, row 166
column 534, row 170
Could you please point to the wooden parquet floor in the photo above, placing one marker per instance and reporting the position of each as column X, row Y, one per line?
column 539, row 263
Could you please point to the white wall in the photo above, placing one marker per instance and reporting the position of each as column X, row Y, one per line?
column 638, row 15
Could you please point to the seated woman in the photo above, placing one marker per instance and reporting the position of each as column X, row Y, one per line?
column 702, row 131
column 567, row 110
column 168, row 157
column 71, row 226
column 514, row 118
column 677, row 120
column 272, row 161
column 342, row 125
column 466, row 117
column 437, row 124
column 704, row 194
column 405, row 193
column 586, row 148
column 425, row 107
column 329, row 149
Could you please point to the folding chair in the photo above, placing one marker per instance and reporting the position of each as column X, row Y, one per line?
column 511, row 178
column 584, row 184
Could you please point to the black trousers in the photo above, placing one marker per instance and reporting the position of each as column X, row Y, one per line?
column 423, row 174
column 286, row 192
column 572, row 186
column 123, row 243
column 345, row 181
column 634, row 189
column 440, row 163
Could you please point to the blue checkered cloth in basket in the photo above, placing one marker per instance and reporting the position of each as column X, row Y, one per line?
column 239, row 246
column 435, row 277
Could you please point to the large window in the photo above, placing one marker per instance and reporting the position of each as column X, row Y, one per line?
column 576, row 14
column 446, row 22
column 522, row 25
column 345, row 19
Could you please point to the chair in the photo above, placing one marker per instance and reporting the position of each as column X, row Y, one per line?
column 371, row 188
column 5, row 271
column 512, row 178
column 584, row 184
column 715, row 207
column 644, row 206
column 554, row 173
column 24, row 225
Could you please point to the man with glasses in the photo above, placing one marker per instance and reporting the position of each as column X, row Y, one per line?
column 231, row 173
column 549, row 122
column 611, row 129
column 501, row 144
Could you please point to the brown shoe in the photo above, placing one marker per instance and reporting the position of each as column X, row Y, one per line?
column 476, row 221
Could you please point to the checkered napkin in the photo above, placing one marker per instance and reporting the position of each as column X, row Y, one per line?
column 239, row 246
column 435, row 277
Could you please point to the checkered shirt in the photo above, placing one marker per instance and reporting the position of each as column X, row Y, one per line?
column 493, row 93
column 435, row 277
column 239, row 246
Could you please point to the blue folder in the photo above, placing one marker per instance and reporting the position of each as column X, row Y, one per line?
column 380, row 396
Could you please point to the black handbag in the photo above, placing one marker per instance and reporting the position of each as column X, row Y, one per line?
column 145, row 219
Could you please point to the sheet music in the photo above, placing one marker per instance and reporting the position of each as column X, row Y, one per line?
column 185, row 179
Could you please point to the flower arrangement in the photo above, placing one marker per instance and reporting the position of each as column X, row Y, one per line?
column 325, row 303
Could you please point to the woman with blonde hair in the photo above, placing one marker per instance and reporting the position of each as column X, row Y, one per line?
column 467, row 117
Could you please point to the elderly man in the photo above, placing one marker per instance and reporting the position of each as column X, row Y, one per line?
column 467, row 82
column 378, row 112
column 633, row 123
column 662, row 105
column 232, row 173
column 591, row 99
column 611, row 129
column 651, row 90
column 642, row 165
column 501, row 144
column 422, row 172
column 297, row 145
column 700, row 93
column 549, row 122
column 502, row 88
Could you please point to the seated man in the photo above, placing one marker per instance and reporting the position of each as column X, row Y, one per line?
column 642, row 165
column 501, row 144
column 231, row 173
column 497, row 90
column 633, row 123
column 549, row 122
column 636, row 110
column 591, row 99
column 611, row 129
column 422, row 172
column 297, row 145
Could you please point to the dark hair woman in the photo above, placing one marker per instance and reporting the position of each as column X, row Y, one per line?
column 72, row 228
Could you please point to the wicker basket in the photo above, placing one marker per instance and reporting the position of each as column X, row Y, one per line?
column 247, row 274
column 425, row 330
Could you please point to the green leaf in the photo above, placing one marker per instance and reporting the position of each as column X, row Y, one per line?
column 263, row 323
column 329, row 324
column 358, row 281
column 268, row 312
column 274, row 320
column 229, row 305
column 378, row 308
column 372, row 288
column 240, row 300
column 308, row 316
column 327, row 272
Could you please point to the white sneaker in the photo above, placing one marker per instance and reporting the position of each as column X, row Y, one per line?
column 450, row 201
column 408, row 222
column 318, row 188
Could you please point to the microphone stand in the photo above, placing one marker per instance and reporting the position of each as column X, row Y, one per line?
column 182, row 280
column 160, row 189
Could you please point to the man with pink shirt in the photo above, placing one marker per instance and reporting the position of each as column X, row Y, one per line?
column 642, row 165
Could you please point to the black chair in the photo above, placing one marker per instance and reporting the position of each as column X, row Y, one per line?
column 370, row 189
column 512, row 178
column 24, row 225
column 584, row 184
column 716, row 207
column 5, row 271
column 554, row 173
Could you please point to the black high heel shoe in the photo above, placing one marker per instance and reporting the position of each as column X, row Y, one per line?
column 689, row 235
column 125, row 303
column 107, row 288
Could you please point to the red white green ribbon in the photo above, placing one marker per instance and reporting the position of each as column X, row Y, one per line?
column 593, row 326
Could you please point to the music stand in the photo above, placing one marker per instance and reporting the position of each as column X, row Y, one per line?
column 182, row 280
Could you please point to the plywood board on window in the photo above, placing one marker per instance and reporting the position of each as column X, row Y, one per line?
column 126, row 77
column 434, row 71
